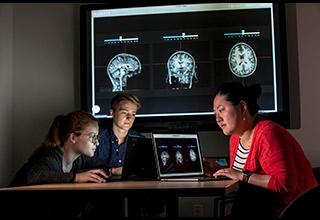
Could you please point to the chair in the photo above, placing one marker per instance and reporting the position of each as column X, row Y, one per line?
column 306, row 206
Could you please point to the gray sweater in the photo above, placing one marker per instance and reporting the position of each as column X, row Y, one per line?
column 45, row 166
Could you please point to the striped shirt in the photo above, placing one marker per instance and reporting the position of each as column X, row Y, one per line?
column 241, row 158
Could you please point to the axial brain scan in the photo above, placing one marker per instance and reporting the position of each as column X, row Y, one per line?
column 179, row 157
column 181, row 69
column 122, row 67
column 164, row 158
column 242, row 60
column 193, row 156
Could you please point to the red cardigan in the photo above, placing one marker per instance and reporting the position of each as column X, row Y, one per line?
column 276, row 153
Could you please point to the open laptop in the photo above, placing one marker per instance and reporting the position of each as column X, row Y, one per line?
column 178, row 157
column 139, row 162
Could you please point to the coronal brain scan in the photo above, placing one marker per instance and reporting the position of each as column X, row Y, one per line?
column 179, row 59
column 193, row 156
column 181, row 69
column 122, row 67
column 179, row 157
column 164, row 158
column 242, row 60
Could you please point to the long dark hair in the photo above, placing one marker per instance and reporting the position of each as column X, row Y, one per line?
column 62, row 126
column 235, row 92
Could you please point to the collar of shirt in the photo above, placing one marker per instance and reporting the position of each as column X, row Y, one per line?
column 109, row 149
column 114, row 138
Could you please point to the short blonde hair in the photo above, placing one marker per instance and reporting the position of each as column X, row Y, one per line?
column 124, row 96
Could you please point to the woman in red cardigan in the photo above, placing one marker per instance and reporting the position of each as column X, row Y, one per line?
column 268, row 161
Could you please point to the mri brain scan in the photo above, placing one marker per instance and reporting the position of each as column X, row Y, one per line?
column 179, row 157
column 242, row 60
column 193, row 156
column 164, row 158
column 181, row 69
column 122, row 67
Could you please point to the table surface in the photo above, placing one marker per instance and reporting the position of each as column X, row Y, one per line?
column 226, row 185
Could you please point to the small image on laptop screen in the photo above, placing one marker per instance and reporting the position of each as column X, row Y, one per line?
column 178, row 154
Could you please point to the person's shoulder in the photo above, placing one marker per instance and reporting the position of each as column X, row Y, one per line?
column 52, row 154
column 51, row 157
column 105, row 133
column 266, row 124
column 45, row 152
column 267, row 127
column 104, row 130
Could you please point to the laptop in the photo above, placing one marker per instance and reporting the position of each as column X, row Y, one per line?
column 139, row 162
column 178, row 157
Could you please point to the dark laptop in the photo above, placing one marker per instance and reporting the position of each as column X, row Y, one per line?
column 139, row 162
column 179, row 158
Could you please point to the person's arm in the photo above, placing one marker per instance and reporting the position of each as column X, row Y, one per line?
column 47, row 170
column 93, row 163
column 277, row 160
column 117, row 171
column 259, row 180
column 255, row 179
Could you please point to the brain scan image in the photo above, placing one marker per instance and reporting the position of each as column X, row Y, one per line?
column 164, row 158
column 242, row 60
column 122, row 67
column 181, row 69
column 193, row 156
column 179, row 157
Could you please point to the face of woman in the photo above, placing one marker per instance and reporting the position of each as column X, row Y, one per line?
column 87, row 142
column 228, row 116
column 124, row 116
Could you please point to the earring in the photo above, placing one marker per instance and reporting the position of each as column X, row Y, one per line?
column 243, row 118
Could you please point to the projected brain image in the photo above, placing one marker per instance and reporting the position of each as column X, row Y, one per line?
column 173, row 56
column 242, row 60
column 122, row 67
column 181, row 69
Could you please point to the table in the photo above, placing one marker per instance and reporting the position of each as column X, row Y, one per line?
column 127, row 189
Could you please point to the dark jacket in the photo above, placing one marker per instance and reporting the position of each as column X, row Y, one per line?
column 45, row 166
column 109, row 151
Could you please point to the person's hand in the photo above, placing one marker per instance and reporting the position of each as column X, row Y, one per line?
column 229, row 172
column 117, row 171
column 94, row 176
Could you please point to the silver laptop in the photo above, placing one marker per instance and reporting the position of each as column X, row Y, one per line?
column 178, row 157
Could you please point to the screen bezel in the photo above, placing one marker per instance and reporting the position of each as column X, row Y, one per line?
column 190, row 122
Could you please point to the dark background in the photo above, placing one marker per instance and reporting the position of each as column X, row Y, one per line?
column 210, row 52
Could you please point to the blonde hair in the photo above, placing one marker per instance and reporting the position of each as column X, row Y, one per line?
column 124, row 96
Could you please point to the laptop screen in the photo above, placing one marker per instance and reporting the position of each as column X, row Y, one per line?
column 177, row 155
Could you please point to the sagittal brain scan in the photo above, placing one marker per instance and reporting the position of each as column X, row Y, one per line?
column 122, row 67
column 181, row 69
column 179, row 157
column 193, row 156
column 174, row 67
column 164, row 158
column 242, row 60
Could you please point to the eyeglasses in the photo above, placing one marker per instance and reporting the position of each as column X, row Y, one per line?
column 93, row 138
